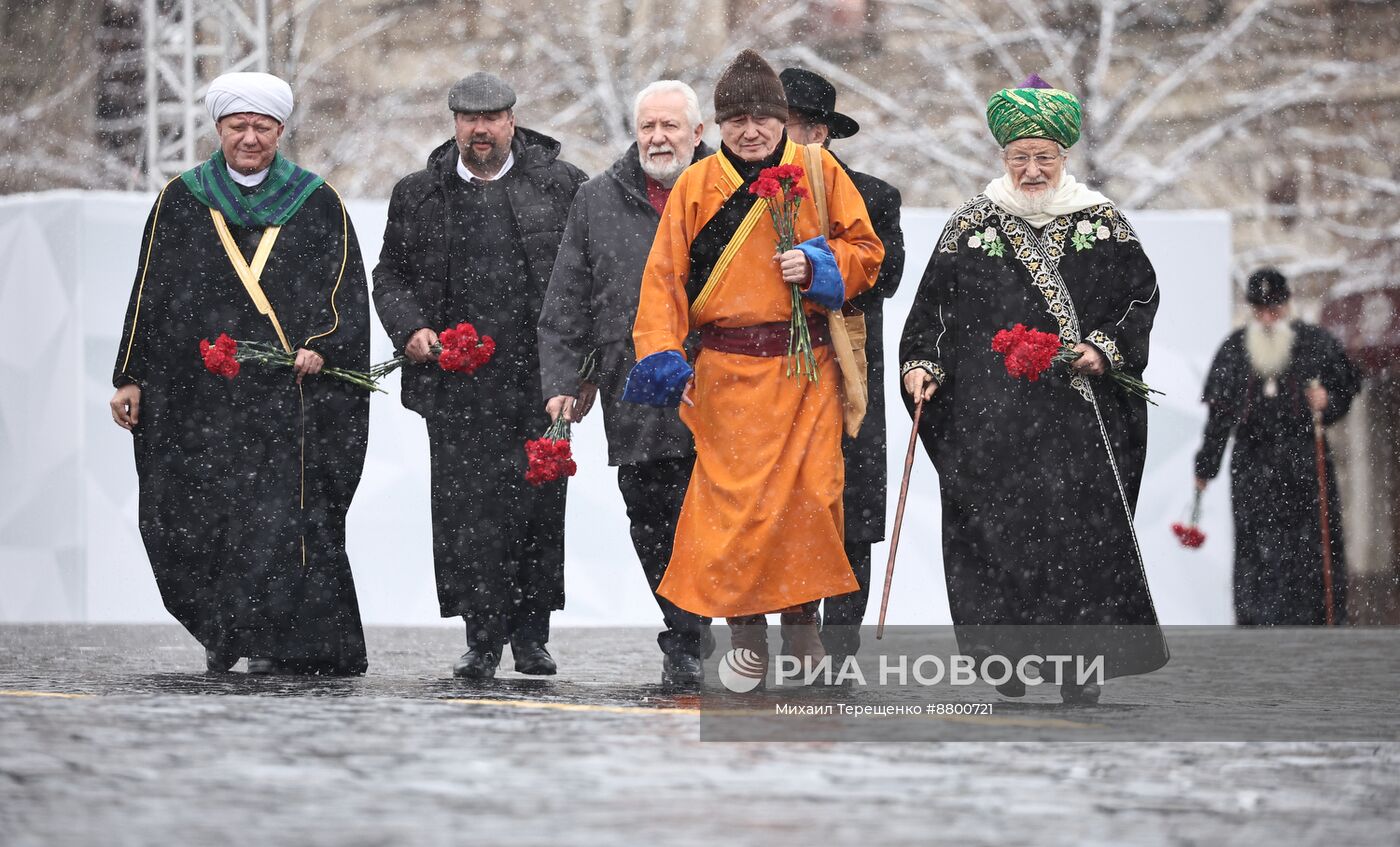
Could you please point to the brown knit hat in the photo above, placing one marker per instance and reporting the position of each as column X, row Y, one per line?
column 749, row 86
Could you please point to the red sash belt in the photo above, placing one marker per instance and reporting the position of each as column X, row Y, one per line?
column 770, row 339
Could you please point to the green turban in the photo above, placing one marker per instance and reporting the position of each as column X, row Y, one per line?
column 1014, row 113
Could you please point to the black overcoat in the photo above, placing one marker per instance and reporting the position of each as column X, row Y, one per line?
column 592, row 302
column 867, row 470
column 497, row 539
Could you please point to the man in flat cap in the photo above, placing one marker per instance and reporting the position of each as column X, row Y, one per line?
column 245, row 482
column 813, row 119
column 472, row 237
column 1270, row 384
column 761, row 528
column 1039, row 479
column 590, row 306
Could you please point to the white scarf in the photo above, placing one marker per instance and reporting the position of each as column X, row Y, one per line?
column 1068, row 197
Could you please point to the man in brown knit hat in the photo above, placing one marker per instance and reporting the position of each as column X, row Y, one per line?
column 761, row 527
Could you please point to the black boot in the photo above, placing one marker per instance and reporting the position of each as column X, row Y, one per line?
column 219, row 661
column 1080, row 695
column 477, row 663
column 1013, row 687
column 682, row 669
column 532, row 658
column 262, row 666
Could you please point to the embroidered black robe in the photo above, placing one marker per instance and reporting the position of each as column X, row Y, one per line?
column 245, row 483
column 1039, row 480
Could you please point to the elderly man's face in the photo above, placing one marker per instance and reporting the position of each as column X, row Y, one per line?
column 1268, row 316
column 806, row 129
column 483, row 138
column 665, row 139
column 753, row 138
column 1034, row 164
column 249, row 140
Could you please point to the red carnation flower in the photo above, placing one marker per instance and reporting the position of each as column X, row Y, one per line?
column 1028, row 352
column 220, row 358
column 551, row 457
column 462, row 350
column 1189, row 535
column 765, row 187
column 799, row 193
column 783, row 173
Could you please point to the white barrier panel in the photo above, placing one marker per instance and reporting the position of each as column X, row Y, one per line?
column 69, row 546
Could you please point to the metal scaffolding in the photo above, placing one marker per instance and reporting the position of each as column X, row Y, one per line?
column 188, row 43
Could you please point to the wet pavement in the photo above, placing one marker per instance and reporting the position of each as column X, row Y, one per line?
column 113, row 735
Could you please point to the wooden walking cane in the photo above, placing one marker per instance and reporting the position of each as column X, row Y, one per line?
column 1323, row 513
column 899, row 514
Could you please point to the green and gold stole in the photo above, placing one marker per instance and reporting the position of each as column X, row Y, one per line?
column 273, row 203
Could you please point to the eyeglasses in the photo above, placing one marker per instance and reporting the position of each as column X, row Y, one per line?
column 1044, row 160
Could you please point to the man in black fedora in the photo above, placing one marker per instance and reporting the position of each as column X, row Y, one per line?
column 813, row 119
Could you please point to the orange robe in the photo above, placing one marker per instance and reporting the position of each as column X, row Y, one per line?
column 761, row 529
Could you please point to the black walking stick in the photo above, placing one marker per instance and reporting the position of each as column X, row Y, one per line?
column 1323, row 515
column 899, row 513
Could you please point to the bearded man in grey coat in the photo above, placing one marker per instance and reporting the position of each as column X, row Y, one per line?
column 588, row 312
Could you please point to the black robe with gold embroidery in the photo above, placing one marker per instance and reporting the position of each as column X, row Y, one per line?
column 1039, row 480
column 245, row 483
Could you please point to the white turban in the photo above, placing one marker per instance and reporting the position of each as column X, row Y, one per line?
column 261, row 93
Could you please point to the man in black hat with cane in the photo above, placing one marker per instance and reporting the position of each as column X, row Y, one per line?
column 1270, row 381
column 813, row 119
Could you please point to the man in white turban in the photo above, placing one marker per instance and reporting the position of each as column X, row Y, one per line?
column 246, row 91
column 245, row 481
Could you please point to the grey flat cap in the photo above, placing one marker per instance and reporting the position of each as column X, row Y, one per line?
column 481, row 92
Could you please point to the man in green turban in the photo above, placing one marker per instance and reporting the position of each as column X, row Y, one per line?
column 1039, row 479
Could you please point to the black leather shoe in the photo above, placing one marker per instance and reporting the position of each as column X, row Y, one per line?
column 533, row 659
column 1013, row 687
column 477, row 663
column 219, row 661
column 1080, row 695
column 261, row 666
column 682, row 669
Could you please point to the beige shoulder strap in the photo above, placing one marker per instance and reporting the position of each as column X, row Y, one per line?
column 251, row 275
column 812, row 153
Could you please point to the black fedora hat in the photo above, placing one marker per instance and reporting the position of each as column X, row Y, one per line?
column 812, row 95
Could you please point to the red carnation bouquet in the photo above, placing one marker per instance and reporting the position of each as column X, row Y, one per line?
column 778, row 185
column 458, row 350
column 550, row 457
column 225, row 356
column 1190, row 534
column 1030, row 352
column 221, row 357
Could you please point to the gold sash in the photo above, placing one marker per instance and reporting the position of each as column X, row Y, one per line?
column 250, row 275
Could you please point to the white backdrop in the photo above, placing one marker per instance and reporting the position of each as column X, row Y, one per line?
column 69, row 547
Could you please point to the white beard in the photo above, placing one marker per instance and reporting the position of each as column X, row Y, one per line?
column 1270, row 349
column 664, row 174
column 1037, row 203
